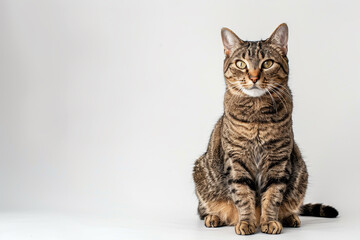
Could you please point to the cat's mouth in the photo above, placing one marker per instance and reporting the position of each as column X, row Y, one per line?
column 254, row 87
column 254, row 91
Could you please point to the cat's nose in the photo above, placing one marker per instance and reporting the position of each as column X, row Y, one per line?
column 254, row 78
column 254, row 75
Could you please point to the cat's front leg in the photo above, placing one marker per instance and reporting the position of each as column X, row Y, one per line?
column 242, row 186
column 275, row 178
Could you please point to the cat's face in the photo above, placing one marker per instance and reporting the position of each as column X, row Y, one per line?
column 255, row 68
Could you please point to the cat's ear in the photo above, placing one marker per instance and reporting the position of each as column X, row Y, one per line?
column 230, row 41
column 280, row 37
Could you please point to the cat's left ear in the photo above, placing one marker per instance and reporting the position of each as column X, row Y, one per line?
column 280, row 37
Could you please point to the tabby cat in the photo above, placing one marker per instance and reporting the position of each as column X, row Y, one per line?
column 252, row 173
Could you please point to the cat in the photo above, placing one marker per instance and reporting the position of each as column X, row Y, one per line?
column 252, row 174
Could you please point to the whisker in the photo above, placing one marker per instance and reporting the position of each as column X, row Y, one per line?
column 274, row 104
column 235, row 95
column 280, row 97
column 231, row 87
column 283, row 89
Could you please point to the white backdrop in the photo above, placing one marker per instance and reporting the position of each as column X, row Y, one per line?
column 105, row 105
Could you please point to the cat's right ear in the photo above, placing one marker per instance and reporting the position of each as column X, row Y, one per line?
column 230, row 41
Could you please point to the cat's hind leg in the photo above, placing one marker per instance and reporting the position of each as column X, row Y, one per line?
column 288, row 213
column 209, row 220
column 220, row 213
column 292, row 220
column 213, row 221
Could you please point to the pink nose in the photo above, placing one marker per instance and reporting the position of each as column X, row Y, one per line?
column 254, row 78
column 254, row 75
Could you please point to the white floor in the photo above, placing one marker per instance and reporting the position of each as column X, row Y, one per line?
column 54, row 226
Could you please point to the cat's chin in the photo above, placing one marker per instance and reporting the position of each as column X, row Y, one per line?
column 254, row 92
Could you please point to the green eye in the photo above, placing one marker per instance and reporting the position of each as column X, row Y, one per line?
column 240, row 64
column 267, row 64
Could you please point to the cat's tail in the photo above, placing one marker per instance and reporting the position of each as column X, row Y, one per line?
column 318, row 210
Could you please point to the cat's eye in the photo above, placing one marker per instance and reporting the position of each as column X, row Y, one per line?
column 267, row 64
column 240, row 64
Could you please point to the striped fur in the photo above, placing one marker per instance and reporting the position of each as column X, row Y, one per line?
column 318, row 210
column 252, row 173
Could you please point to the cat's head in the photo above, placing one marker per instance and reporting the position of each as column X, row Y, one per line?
column 255, row 67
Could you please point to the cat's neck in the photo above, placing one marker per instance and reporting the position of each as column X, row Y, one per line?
column 234, row 101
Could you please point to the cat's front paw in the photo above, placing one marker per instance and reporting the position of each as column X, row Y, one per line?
column 271, row 227
column 245, row 228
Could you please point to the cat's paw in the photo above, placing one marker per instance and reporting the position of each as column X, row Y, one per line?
column 212, row 221
column 271, row 227
column 245, row 228
column 291, row 221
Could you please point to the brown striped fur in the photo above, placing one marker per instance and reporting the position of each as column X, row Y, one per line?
column 252, row 173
